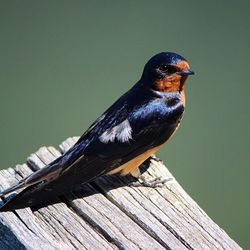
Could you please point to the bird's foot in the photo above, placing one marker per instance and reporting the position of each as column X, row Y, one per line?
column 153, row 183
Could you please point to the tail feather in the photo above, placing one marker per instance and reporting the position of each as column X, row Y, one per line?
column 18, row 186
column 27, row 197
column 33, row 181
column 52, row 181
column 34, row 194
column 37, row 177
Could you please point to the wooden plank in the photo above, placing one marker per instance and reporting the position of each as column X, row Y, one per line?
column 104, row 215
column 109, row 214
column 56, row 225
column 190, row 211
column 163, row 212
column 27, row 233
column 61, row 219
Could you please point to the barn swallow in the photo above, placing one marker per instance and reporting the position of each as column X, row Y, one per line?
column 120, row 140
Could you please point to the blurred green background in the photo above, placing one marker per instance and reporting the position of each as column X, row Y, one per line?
column 62, row 63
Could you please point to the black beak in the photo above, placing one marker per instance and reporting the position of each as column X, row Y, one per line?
column 186, row 72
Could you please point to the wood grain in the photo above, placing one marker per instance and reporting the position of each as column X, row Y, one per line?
column 109, row 214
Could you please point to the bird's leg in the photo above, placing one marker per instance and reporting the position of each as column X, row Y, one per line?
column 141, row 180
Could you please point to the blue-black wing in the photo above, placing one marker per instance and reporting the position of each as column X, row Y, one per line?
column 100, row 150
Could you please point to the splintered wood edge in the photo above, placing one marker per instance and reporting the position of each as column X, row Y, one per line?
column 113, row 215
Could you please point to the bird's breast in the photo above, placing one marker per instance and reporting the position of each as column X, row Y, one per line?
column 183, row 97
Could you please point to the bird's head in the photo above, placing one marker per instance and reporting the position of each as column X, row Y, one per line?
column 167, row 72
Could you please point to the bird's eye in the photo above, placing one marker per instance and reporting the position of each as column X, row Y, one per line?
column 169, row 69
column 163, row 67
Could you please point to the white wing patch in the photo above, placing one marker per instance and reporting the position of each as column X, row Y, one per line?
column 122, row 132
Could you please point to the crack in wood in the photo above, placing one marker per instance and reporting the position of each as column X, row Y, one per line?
column 68, row 204
column 110, row 215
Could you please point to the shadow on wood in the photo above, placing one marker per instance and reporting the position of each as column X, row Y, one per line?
column 109, row 214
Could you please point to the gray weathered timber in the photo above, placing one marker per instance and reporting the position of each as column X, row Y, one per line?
column 109, row 213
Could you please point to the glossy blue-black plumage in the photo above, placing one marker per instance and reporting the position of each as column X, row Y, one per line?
column 150, row 73
column 153, row 117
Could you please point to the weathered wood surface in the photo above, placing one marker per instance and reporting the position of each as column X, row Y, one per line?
column 109, row 214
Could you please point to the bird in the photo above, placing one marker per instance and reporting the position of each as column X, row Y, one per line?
column 132, row 129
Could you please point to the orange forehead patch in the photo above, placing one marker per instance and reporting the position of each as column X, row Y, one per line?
column 183, row 65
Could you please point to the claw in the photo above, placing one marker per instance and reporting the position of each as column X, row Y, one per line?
column 153, row 183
